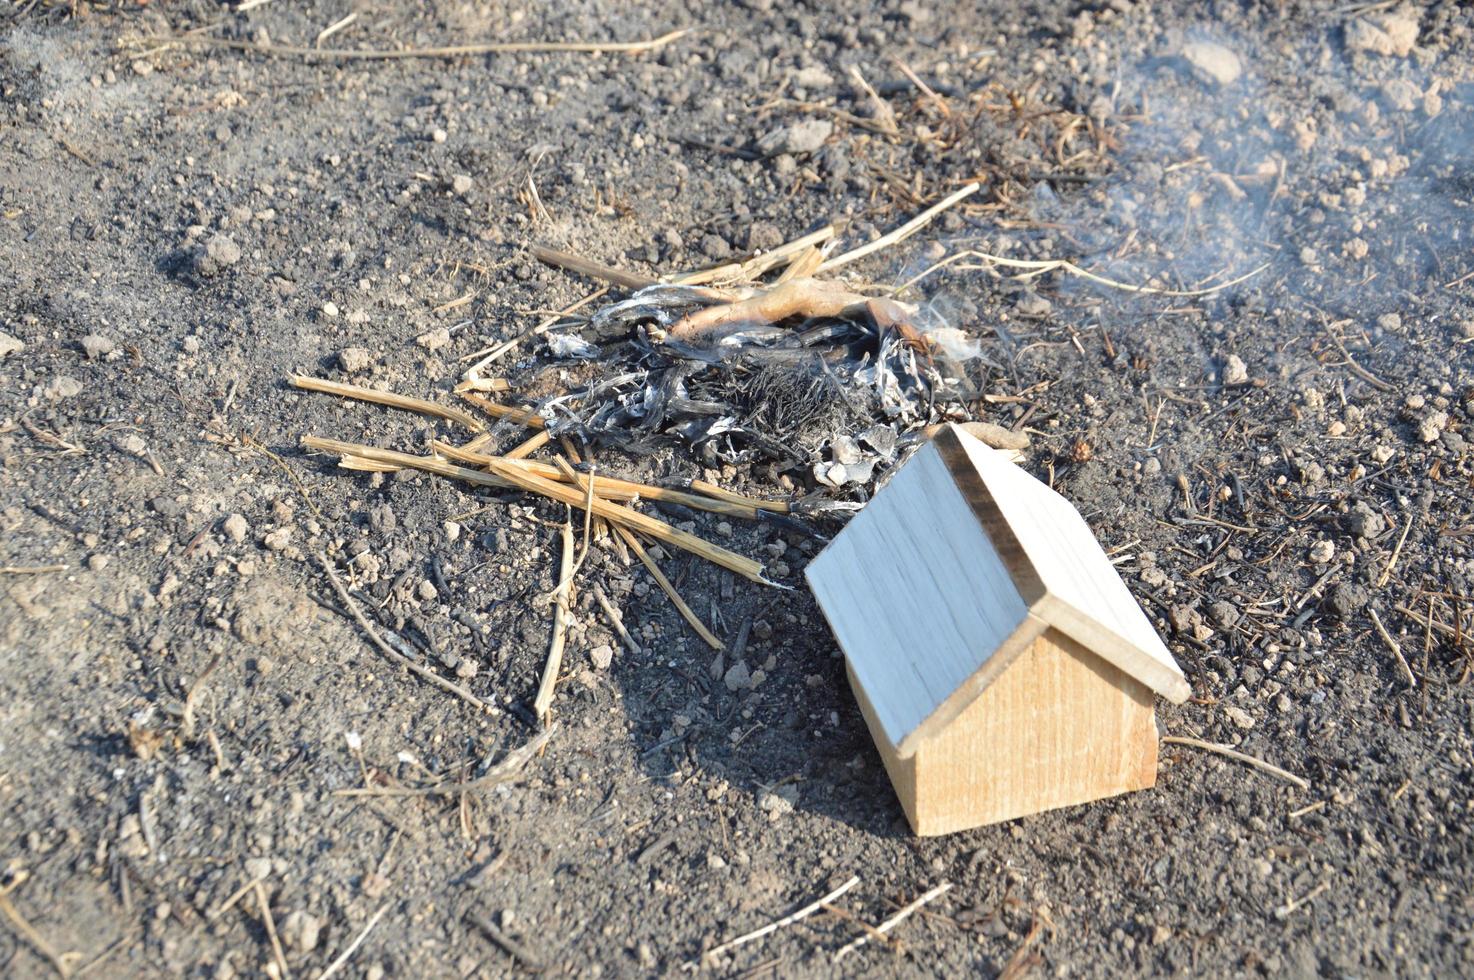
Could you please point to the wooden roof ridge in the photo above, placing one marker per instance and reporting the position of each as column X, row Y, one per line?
column 1142, row 656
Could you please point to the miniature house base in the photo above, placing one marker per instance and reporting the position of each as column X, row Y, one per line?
column 1059, row 727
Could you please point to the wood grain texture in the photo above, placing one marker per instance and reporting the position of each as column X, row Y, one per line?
column 953, row 570
column 1048, row 544
column 919, row 600
column 1060, row 726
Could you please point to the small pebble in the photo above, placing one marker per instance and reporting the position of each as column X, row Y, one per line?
column 778, row 803
column 222, row 250
column 236, row 528
column 354, row 359
column 96, row 345
column 737, row 677
column 300, row 931
column 1213, row 62
column 1235, row 371
column 1238, row 716
column 437, row 135
column 1431, row 426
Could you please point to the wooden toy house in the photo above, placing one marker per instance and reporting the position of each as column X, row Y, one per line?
column 1001, row 664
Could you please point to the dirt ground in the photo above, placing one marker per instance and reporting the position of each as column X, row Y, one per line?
column 1279, row 468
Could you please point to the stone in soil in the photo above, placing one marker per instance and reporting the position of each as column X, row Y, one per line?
column 805, row 136
column 738, row 678
column 96, row 345
column 300, row 931
column 1235, row 371
column 1433, row 424
column 1364, row 522
column 236, row 528
column 1213, row 62
column 219, row 252
column 354, row 359
column 1391, row 35
column 1347, row 599
column 1238, row 716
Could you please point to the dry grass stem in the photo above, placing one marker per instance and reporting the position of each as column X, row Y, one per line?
column 270, row 923
column 231, row 901
column 515, row 949
column 347, row 954
column 508, row 413
column 1231, row 753
column 905, row 231
column 611, row 488
column 59, row 961
column 1033, row 268
column 405, row 402
column 1396, row 553
column 510, row 474
column 449, row 51
column 750, row 270
column 510, row 764
column 616, row 620
column 1351, row 362
column 884, row 114
column 543, row 703
column 805, row 264
column 587, row 485
column 773, row 927
column 670, row 590
column 632, row 519
column 590, row 268
column 540, row 439
column 497, row 351
column 365, row 465
column 718, row 493
column 1392, row 645
column 495, row 385
column 251, row 442
column 1295, row 904
column 1431, row 624
column 1026, row 957
column 895, row 920
column 394, row 655
column 31, row 569
column 334, row 28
